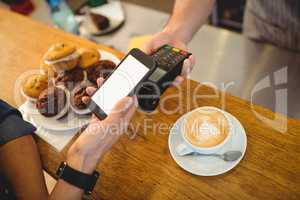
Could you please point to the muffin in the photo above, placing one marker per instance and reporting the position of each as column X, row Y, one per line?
column 88, row 57
column 102, row 69
column 34, row 85
column 48, row 70
column 62, row 56
column 53, row 102
column 77, row 105
column 70, row 78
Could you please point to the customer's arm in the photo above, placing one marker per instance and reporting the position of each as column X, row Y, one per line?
column 92, row 144
column 21, row 165
column 19, row 158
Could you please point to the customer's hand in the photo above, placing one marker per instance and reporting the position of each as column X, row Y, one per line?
column 163, row 38
column 99, row 136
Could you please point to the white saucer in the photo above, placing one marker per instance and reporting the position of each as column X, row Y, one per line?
column 208, row 166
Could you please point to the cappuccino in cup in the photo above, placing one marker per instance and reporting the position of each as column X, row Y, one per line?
column 206, row 129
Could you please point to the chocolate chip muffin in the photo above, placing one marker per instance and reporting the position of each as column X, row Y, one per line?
column 76, row 100
column 102, row 69
column 51, row 101
column 70, row 78
column 77, row 105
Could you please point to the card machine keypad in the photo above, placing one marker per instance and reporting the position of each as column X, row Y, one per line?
column 169, row 61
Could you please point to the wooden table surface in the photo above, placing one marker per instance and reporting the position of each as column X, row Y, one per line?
column 142, row 167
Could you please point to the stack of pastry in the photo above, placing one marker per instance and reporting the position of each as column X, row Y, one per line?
column 65, row 73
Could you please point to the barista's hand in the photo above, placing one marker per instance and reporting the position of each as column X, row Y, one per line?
column 166, row 38
column 99, row 136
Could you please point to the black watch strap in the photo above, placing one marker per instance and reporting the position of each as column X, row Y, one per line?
column 79, row 179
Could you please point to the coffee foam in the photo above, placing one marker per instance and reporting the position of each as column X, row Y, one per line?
column 206, row 128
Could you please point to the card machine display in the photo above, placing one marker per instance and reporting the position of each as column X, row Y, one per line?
column 169, row 61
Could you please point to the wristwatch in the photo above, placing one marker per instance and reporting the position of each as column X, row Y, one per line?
column 79, row 179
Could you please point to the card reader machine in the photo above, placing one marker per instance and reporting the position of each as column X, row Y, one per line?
column 169, row 62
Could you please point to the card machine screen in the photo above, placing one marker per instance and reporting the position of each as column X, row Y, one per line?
column 157, row 74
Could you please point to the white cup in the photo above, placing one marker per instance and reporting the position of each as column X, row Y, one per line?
column 186, row 147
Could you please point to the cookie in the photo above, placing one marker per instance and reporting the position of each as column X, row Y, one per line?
column 88, row 57
column 59, row 50
column 62, row 57
column 65, row 65
column 34, row 85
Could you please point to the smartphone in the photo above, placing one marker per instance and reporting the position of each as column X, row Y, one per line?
column 132, row 71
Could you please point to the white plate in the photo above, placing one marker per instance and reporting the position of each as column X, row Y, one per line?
column 108, row 56
column 208, row 166
column 69, row 122
column 113, row 10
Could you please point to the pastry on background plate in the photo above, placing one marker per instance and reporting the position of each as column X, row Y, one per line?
column 34, row 85
column 53, row 102
column 88, row 57
column 62, row 56
column 102, row 69
column 100, row 21
column 70, row 78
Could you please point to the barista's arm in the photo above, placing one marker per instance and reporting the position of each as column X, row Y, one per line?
column 188, row 16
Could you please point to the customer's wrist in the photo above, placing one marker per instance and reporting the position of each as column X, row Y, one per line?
column 82, row 160
column 177, row 33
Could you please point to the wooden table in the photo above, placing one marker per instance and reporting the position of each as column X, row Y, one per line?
column 142, row 167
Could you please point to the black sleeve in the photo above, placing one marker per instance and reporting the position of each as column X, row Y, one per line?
column 12, row 125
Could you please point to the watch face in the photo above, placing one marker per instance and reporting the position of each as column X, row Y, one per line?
column 60, row 169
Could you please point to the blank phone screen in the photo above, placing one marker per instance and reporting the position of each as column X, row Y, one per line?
column 122, row 81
